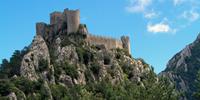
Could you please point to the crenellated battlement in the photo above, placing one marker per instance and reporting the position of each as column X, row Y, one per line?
column 109, row 42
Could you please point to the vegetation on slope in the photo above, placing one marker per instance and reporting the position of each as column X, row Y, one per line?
column 150, row 87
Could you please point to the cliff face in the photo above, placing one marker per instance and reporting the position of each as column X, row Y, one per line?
column 69, row 51
column 183, row 67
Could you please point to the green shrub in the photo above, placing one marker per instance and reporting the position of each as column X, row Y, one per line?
column 107, row 60
column 72, row 38
column 11, row 67
column 42, row 65
column 70, row 70
column 27, row 86
column 123, row 51
column 127, row 69
column 6, row 87
column 84, row 55
column 88, row 77
column 4, row 98
column 80, row 52
column 58, row 92
column 95, row 68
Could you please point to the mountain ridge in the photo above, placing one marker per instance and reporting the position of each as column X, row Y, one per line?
column 182, row 69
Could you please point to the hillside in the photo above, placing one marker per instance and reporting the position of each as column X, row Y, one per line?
column 61, row 64
column 182, row 69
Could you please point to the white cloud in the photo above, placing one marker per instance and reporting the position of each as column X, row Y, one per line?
column 179, row 13
column 150, row 15
column 138, row 5
column 190, row 15
column 160, row 28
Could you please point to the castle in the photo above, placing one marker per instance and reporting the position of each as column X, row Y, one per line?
column 69, row 22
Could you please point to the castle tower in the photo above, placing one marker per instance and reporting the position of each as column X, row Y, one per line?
column 126, row 43
column 72, row 17
column 56, row 20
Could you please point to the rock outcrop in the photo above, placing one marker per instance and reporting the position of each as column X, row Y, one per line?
column 30, row 63
column 182, row 69
column 12, row 96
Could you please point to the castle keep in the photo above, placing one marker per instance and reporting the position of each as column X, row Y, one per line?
column 68, row 22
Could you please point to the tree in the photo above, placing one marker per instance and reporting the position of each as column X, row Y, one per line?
column 12, row 67
column 197, row 93
column 4, row 69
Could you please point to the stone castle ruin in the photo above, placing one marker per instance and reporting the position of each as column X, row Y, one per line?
column 69, row 22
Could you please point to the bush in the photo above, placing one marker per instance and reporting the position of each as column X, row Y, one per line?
column 27, row 86
column 58, row 69
column 42, row 65
column 127, row 69
column 12, row 67
column 72, row 38
column 95, row 68
column 123, row 51
column 84, row 55
column 88, row 77
column 107, row 60
column 58, row 92
column 6, row 87
column 70, row 70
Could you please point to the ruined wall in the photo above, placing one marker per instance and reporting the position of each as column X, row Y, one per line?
column 56, row 18
column 41, row 28
column 109, row 43
column 126, row 43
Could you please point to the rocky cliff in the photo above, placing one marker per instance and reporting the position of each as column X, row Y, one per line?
column 182, row 69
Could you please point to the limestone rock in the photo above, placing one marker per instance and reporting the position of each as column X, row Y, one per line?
column 183, row 68
column 126, row 43
column 68, row 53
column 38, row 51
column 81, row 78
column 65, row 79
column 12, row 96
column 82, row 29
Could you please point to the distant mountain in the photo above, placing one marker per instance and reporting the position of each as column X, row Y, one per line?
column 182, row 69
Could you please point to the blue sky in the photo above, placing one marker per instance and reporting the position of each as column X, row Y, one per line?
column 158, row 28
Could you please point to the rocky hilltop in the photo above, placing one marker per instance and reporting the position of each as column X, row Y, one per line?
column 64, row 61
column 182, row 69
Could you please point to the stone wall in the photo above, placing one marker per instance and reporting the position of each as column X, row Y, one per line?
column 69, row 22
column 109, row 43
column 126, row 43
column 41, row 28
column 56, row 18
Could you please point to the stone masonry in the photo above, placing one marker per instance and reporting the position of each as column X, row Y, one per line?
column 68, row 22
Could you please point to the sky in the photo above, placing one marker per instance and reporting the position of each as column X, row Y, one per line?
column 158, row 29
